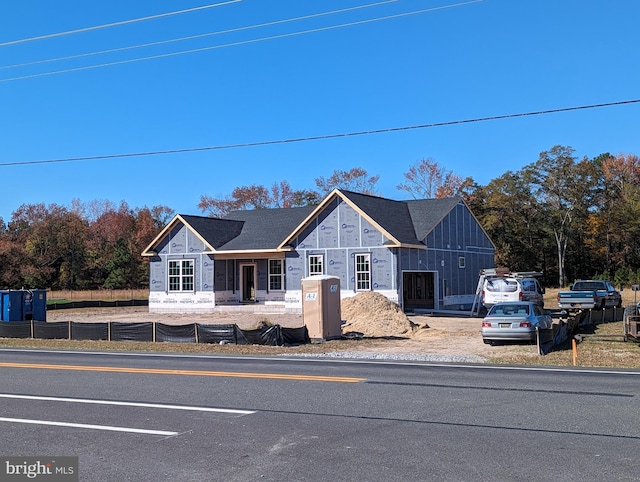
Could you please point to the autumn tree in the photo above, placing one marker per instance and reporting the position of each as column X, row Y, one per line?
column 565, row 188
column 511, row 215
column 618, row 219
column 257, row 196
column 428, row 179
column 12, row 256
column 283, row 196
column 355, row 179
column 53, row 242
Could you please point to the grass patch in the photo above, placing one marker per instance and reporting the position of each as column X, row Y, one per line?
column 602, row 347
column 605, row 349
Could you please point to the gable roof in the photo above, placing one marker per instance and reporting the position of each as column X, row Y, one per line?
column 264, row 228
column 211, row 231
column 403, row 223
column 216, row 232
column 426, row 214
column 251, row 230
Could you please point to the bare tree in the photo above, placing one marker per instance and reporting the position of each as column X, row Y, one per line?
column 355, row 179
column 257, row 196
column 428, row 179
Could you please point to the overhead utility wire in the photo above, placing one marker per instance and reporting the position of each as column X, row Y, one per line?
column 115, row 24
column 233, row 44
column 194, row 37
column 323, row 137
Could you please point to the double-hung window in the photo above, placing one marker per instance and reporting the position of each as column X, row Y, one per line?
column 316, row 264
column 181, row 275
column 363, row 272
column 276, row 275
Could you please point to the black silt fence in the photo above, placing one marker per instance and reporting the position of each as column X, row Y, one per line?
column 131, row 331
column 175, row 333
column 96, row 304
column 89, row 331
column 295, row 336
column 51, row 331
column 217, row 333
column 269, row 335
column 154, row 332
column 15, row 329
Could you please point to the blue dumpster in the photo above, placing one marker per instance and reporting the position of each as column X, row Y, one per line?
column 27, row 305
column 12, row 305
column 39, row 305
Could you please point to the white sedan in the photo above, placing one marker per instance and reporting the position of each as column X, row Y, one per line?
column 514, row 321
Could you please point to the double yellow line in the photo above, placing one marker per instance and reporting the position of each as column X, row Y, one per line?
column 198, row 373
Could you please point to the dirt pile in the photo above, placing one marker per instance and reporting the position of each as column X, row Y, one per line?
column 374, row 315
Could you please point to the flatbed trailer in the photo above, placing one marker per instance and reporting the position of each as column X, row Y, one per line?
column 631, row 323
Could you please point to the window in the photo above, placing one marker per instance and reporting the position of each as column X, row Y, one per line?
column 363, row 272
column 501, row 285
column 181, row 275
column 276, row 275
column 460, row 261
column 316, row 264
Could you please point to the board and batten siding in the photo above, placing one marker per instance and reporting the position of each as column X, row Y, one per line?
column 338, row 233
column 181, row 243
column 458, row 235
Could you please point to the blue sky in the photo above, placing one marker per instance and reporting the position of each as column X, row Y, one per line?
column 465, row 61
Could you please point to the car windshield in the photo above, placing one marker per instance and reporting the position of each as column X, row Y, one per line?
column 509, row 310
column 587, row 286
column 501, row 285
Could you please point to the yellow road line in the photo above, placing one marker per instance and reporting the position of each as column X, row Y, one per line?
column 201, row 373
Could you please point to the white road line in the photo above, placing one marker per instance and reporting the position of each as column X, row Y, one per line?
column 128, row 404
column 88, row 426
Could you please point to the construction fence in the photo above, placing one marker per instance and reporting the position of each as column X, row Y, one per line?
column 568, row 326
column 154, row 332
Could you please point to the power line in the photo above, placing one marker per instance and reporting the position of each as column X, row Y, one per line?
column 194, row 37
column 322, row 137
column 115, row 24
column 234, row 44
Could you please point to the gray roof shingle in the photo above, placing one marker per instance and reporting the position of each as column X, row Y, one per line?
column 392, row 216
column 216, row 232
column 408, row 222
column 427, row 213
column 265, row 228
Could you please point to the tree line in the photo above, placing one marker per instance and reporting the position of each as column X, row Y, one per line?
column 86, row 247
column 567, row 217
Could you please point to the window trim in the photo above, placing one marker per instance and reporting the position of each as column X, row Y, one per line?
column 182, row 275
column 461, row 262
column 279, row 276
column 319, row 262
column 366, row 258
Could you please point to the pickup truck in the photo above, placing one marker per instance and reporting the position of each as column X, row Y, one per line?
column 589, row 294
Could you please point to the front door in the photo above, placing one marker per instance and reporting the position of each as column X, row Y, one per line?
column 418, row 290
column 248, row 272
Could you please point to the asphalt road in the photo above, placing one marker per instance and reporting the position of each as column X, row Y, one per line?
column 187, row 418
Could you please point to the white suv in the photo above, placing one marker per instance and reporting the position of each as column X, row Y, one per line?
column 509, row 288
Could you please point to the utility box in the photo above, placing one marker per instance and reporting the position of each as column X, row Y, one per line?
column 321, row 307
